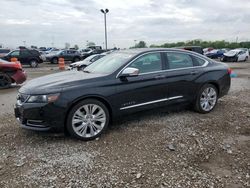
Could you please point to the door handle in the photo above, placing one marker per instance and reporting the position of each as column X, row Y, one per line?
column 194, row 72
column 159, row 77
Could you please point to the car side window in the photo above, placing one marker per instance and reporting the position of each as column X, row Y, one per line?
column 63, row 52
column 148, row 63
column 24, row 53
column 15, row 53
column 179, row 60
column 198, row 61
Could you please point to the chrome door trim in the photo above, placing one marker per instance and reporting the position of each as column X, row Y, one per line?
column 151, row 102
column 166, row 70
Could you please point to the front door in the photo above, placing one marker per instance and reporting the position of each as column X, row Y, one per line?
column 145, row 90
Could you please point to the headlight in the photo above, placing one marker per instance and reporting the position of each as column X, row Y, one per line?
column 43, row 98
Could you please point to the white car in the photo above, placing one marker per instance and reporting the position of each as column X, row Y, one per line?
column 236, row 55
column 80, row 65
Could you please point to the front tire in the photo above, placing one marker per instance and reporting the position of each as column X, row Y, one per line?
column 206, row 99
column 76, row 59
column 33, row 63
column 5, row 81
column 88, row 119
column 246, row 58
column 54, row 60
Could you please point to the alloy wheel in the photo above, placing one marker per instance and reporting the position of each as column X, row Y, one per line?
column 208, row 99
column 33, row 64
column 89, row 120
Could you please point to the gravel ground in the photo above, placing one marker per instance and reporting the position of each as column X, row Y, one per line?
column 158, row 148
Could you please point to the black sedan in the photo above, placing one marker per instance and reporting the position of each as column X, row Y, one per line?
column 84, row 102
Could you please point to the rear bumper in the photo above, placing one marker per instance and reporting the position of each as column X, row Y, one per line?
column 20, row 76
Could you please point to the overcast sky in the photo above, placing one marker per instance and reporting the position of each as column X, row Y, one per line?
column 43, row 22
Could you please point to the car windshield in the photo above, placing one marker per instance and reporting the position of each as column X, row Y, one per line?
column 232, row 52
column 108, row 64
column 89, row 58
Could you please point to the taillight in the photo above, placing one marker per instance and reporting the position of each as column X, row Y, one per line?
column 229, row 70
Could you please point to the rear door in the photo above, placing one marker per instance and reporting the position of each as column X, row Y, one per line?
column 242, row 56
column 182, row 71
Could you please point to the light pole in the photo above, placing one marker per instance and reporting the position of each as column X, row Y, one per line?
column 105, row 25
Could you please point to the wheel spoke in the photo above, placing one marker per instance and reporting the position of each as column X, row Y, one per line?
column 76, row 120
column 99, row 127
column 80, row 127
column 79, row 114
column 87, row 109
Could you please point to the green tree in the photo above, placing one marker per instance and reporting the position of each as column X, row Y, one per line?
column 141, row 44
column 90, row 44
column 67, row 45
column 76, row 47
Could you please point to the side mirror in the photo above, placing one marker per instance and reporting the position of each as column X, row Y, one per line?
column 129, row 72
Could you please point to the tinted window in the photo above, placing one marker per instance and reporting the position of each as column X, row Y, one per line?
column 34, row 52
column 148, row 63
column 198, row 61
column 25, row 53
column 179, row 60
column 15, row 53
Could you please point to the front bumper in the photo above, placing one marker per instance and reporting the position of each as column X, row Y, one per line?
column 40, row 116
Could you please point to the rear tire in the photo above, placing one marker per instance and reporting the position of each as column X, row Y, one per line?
column 206, row 99
column 87, row 120
column 76, row 59
column 5, row 81
column 246, row 58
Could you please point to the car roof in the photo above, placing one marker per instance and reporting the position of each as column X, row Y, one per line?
column 145, row 50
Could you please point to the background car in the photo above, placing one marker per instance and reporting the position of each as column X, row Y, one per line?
column 11, row 72
column 25, row 57
column 80, row 65
column 216, row 53
column 235, row 55
column 197, row 49
column 92, row 52
column 4, row 52
column 68, row 55
column 51, row 49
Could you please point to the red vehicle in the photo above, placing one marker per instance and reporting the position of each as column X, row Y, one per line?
column 11, row 72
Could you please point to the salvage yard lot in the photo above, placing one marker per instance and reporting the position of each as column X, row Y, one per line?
column 159, row 148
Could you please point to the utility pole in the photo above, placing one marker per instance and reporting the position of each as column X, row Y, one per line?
column 105, row 25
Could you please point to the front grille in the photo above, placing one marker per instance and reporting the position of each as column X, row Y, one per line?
column 22, row 98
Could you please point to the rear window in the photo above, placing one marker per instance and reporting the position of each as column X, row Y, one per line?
column 35, row 52
column 198, row 61
column 179, row 60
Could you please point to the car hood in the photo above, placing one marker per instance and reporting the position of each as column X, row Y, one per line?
column 230, row 54
column 58, row 82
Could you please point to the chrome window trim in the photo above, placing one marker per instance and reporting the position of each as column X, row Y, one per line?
column 166, row 70
column 151, row 102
